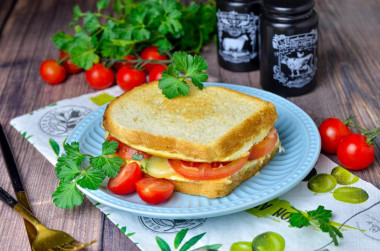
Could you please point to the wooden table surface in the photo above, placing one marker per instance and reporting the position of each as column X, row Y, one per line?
column 348, row 83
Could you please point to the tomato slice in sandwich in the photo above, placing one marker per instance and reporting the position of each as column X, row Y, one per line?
column 126, row 152
column 207, row 171
column 265, row 146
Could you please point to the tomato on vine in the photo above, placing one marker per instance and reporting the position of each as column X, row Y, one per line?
column 118, row 65
column 68, row 64
column 100, row 77
column 156, row 72
column 355, row 153
column 151, row 53
column 52, row 72
column 129, row 78
column 332, row 130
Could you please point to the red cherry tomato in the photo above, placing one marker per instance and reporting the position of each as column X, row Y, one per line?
column 332, row 130
column 68, row 64
column 118, row 65
column 52, row 72
column 154, row 190
column 151, row 53
column 206, row 171
column 156, row 72
column 264, row 147
column 354, row 153
column 126, row 152
column 129, row 78
column 100, row 77
column 125, row 181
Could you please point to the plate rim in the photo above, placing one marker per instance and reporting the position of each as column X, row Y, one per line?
column 159, row 212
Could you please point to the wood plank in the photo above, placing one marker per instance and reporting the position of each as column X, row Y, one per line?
column 6, row 7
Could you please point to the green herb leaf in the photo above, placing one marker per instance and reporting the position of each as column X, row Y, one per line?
column 118, row 6
column 70, row 174
column 68, row 170
column 102, row 4
column 318, row 218
column 82, row 51
column 172, row 85
column 109, row 165
column 62, row 40
column 91, row 22
column 298, row 220
column 67, row 195
column 92, row 179
column 137, row 157
column 77, row 14
column 320, row 214
column 109, row 147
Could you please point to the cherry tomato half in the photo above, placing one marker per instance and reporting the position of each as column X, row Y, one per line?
column 332, row 130
column 129, row 78
column 265, row 146
column 68, row 64
column 354, row 153
column 100, row 77
column 151, row 53
column 126, row 152
column 154, row 190
column 206, row 171
column 125, row 181
column 156, row 72
column 52, row 72
column 118, row 65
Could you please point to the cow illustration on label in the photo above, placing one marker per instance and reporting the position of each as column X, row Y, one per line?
column 297, row 58
column 237, row 36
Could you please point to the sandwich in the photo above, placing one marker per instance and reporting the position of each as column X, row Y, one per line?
column 207, row 143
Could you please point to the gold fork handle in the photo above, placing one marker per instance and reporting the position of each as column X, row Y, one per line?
column 12, row 202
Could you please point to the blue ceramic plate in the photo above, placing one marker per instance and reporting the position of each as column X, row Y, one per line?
column 299, row 137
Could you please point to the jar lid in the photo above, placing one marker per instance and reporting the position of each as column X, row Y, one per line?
column 289, row 7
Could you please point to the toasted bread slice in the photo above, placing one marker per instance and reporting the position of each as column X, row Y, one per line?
column 209, row 125
column 223, row 187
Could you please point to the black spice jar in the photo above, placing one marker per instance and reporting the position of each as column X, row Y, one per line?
column 238, row 35
column 289, row 46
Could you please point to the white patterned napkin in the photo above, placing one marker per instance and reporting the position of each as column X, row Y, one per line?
column 355, row 206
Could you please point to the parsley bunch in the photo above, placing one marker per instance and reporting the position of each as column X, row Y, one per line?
column 319, row 218
column 71, row 171
column 132, row 26
column 173, row 85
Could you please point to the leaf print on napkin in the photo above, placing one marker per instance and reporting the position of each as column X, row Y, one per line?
column 55, row 146
column 180, row 236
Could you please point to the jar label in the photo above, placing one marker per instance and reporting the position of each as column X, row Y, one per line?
column 297, row 58
column 237, row 36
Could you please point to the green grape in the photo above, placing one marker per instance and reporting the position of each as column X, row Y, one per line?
column 321, row 183
column 268, row 241
column 343, row 176
column 241, row 246
column 353, row 195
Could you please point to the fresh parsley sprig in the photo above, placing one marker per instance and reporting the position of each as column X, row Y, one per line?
column 319, row 218
column 192, row 67
column 71, row 171
column 108, row 35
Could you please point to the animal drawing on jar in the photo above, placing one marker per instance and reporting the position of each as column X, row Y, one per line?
column 299, row 63
column 234, row 44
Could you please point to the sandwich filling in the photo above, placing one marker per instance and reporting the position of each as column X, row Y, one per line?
column 176, row 169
